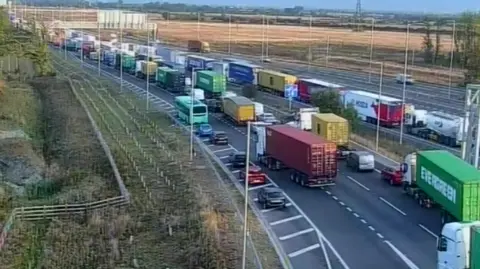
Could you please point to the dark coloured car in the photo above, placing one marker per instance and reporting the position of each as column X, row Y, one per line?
column 238, row 159
column 271, row 197
column 219, row 138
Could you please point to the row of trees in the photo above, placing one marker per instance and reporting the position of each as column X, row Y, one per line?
column 466, row 52
column 23, row 44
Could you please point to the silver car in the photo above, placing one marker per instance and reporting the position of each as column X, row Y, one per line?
column 268, row 118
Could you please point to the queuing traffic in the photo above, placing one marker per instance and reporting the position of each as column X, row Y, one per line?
column 440, row 186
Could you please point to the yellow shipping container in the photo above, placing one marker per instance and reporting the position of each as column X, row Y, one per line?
column 239, row 108
column 275, row 81
column 331, row 127
column 149, row 68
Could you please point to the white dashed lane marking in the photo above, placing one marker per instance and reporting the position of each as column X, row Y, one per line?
column 356, row 215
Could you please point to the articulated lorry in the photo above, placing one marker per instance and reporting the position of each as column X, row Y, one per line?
column 198, row 46
column 439, row 178
column 239, row 109
column 458, row 246
column 437, row 126
column 170, row 79
column 303, row 118
column 148, row 70
column 332, row 128
column 214, row 84
column 310, row 159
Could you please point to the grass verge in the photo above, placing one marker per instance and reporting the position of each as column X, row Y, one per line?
column 179, row 216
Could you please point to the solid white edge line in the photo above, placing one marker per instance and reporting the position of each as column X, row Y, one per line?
column 402, row 256
column 428, row 231
column 358, row 183
column 392, row 206
column 320, row 235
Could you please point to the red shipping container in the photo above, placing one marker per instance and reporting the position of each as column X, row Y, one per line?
column 302, row 151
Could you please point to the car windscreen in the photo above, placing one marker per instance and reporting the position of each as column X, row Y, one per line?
column 275, row 195
column 199, row 110
column 220, row 135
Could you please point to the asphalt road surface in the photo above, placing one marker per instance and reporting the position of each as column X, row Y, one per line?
column 369, row 223
column 424, row 96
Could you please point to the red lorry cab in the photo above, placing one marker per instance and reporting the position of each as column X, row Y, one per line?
column 311, row 159
column 87, row 48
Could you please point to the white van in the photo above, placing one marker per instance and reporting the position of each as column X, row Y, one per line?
column 361, row 161
column 401, row 78
column 258, row 109
column 199, row 94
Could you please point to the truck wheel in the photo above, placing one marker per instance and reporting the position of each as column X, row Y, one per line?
column 391, row 182
column 421, row 203
column 302, row 183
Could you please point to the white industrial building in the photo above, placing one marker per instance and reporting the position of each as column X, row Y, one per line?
column 121, row 19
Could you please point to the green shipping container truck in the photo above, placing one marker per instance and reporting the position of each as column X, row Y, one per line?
column 214, row 84
column 161, row 75
column 475, row 247
column 451, row 183
column 128, row 63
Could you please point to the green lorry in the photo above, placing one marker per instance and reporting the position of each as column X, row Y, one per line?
column 437, row 177
column 214, row 84
column 128, row 63
column 170, row 79
column 161, row 76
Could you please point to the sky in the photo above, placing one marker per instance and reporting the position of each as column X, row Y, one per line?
column 427, row 6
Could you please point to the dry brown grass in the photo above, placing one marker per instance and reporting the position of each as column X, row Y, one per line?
column 243, row 33
column 189, row 222
column 347, row 50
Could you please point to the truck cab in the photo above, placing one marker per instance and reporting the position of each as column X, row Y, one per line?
column 408, row 169
column 454, row 246
column 416, row 118
column 304, row 117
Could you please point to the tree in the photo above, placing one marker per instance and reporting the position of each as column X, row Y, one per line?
column 331, row 102
column 427, row 43
column 438, row 44
column 467, row 45
column 249, row 91
column 22, row 44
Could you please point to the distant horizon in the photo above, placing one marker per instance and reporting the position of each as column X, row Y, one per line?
column 440, row 7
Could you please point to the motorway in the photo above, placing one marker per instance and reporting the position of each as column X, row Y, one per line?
column 369, row 223
column 424, row 96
